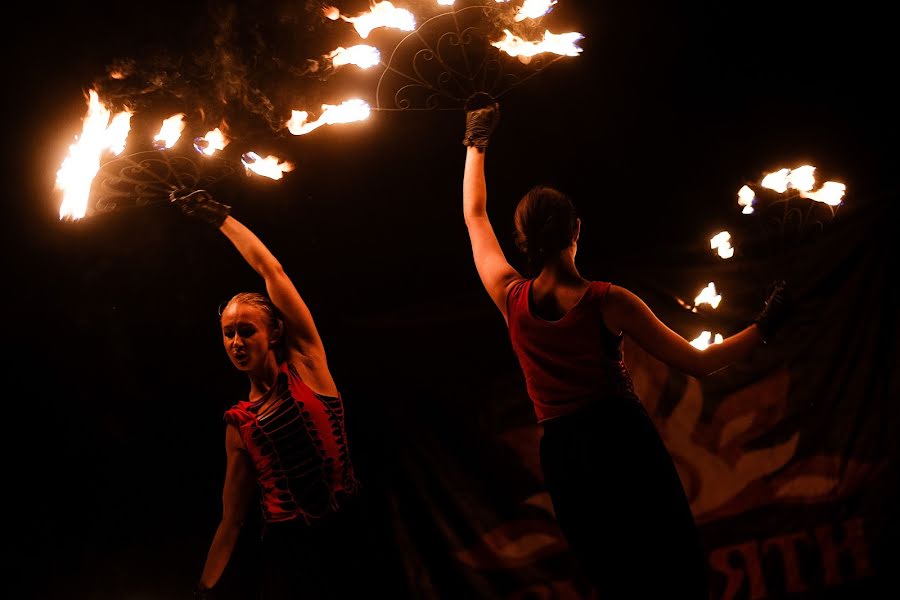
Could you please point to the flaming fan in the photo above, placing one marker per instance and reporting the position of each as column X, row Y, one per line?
column 92, row 186
column 784, row 209
column 470, row 53
column 149, row 177
column 788, row 207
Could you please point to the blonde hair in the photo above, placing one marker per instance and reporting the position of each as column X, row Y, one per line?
column 273, row 320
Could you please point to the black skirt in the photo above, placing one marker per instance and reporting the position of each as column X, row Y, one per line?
column 328, row 559
column 620, row 504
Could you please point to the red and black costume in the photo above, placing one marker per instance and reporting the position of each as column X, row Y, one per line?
column 297, row 441
column 298, row 444
column 616, row 492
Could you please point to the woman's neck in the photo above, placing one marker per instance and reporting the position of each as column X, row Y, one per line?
column 561, row 272
column 262, row 380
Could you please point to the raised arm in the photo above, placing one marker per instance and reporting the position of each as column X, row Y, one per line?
column 626, row 312
column 495, row 272
column 301, row 329
column 302, row 340
column 236, row 496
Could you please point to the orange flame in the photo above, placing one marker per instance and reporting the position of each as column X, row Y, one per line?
column 722, row 243
column 382, row 14
column 702, row 342
column 709, row 296
column 270, row 166
column 211, row 142
column 562, row 43
column 348, row 112
column 830, row 193
column 360, row 55
column 746, row 198
column 533, row 9
column 777, row 181
column 170, row 131
column 99, row 134
column 803, row 180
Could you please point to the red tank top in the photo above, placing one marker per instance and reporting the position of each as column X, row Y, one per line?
column 570, row 362
column 298, row 444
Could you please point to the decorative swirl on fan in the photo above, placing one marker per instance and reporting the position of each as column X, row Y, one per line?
column 449, row 59
column 783, row 220
column 146, row 178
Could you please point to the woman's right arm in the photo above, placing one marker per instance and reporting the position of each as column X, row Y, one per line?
column 236, row 496
column 626, row 312
column 495, row 272
column 301, row 338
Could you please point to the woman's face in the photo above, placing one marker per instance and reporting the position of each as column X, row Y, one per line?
column 246, row 336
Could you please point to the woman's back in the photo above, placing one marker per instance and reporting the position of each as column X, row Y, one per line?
column 550, row 299
column 570, row 361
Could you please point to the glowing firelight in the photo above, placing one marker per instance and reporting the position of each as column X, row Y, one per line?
column 746, row 198
column 562, row 43
column 446, row 2
column 830, row 193
column 348, row 112
column 721, row 242
column 99, row 134
column 382, row 14
column 702, row 342
column 270, row 166
column 211, row 142
column 803, row 180
column 360, row 55
column 533, row 9
column 777, row 181
column 169, row 132
column 709, row 296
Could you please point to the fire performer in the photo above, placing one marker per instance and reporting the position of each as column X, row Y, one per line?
column 614, row 486
column 287, row 439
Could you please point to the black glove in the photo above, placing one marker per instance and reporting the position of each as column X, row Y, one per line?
column 480, row 123
column 200, row 205
column 200, row 592
column 774, row 313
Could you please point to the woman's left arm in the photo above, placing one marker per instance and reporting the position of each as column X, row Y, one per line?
column 624, row 311
column 237, row 493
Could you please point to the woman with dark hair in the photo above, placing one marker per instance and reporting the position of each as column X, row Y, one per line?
column 287, row 440
column 615, row 490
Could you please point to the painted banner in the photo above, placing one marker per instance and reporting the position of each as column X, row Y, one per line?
column 789, row 458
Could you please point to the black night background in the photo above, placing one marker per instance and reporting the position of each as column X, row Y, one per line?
column 116, row 377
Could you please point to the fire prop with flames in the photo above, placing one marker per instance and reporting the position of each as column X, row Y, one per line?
column 450, row 59
column 143, row 177
column 786, row 207
column 458, row 55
